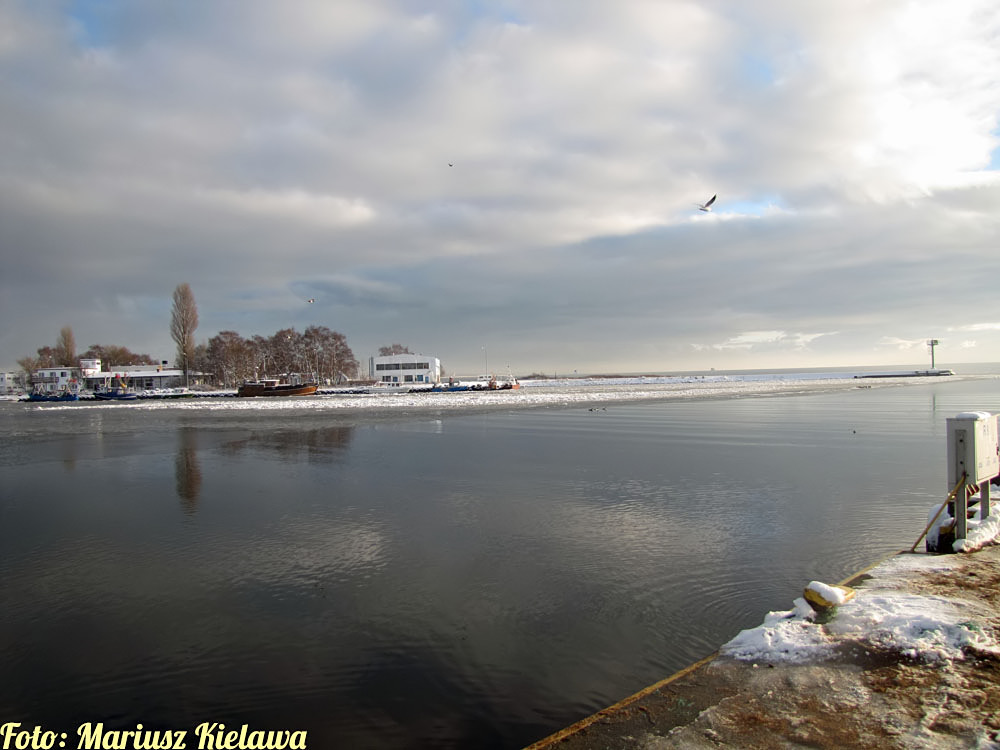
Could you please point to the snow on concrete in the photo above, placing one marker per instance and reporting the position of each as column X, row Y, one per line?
column 883, row 615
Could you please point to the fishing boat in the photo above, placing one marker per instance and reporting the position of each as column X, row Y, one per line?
column 116, row 393
column 506, row 384
column 274, row 387
column 41, row 396
column 482, row 383
column 116, row 390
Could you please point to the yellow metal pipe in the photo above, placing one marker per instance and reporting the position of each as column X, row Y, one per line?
column 951, row 496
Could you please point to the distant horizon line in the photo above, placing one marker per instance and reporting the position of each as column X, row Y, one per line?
column 715, row 370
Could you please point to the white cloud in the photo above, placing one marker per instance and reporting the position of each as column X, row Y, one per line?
column 292, row 205
column 259, row 152
column 751, row 339
column 898, row 343
column 977, row 327
column 747, row 340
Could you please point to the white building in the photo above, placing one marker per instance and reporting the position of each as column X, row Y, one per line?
column 137, row 377
column 56, row 379
column 402, row 369
column 10, row 382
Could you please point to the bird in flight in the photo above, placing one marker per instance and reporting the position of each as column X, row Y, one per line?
column 450, row 164
column 311, row 300
column 707, row 205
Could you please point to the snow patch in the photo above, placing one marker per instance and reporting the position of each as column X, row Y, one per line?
column 920, row 627
column 881, row 615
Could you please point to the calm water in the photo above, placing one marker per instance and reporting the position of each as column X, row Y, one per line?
column 430, row 580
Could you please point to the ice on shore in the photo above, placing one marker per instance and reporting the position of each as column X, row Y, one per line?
column 532, row 393
column 979, row 531
column 883, row 615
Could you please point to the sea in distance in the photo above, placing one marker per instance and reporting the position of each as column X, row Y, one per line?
column 433, row 570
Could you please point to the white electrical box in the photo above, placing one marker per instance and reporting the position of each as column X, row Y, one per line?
column 973, row 448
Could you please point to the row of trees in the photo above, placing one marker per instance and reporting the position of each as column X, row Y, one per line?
column 183, row 322
column 64, row 354
column 317, row 352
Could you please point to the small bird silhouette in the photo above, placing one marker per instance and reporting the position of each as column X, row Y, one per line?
column 707, row 205
column 450, row 164
column 311, row 300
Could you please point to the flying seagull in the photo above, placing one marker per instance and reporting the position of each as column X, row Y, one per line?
column 311, row 300
column 707, row 205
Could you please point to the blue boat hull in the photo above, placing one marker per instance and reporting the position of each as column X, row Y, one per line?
column 116, row 396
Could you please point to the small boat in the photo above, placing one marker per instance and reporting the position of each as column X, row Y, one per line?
column 69, row 392
column 49, row 397
column 507, row 383
column 116, row 394
column 274, row 387
column 116, row 391
column 482, row 383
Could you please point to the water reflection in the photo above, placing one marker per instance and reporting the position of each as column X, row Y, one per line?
column 472, row 581
column 187, row 470
column 320, row 445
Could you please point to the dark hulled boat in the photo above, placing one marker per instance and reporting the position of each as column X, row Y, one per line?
column 274, row 387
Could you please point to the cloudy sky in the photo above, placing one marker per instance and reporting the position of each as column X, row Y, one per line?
column 513, row 182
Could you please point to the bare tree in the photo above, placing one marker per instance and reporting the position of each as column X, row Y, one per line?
column 183, row 322
column 388, row 351
column 112, row 355
column 47, row 357
column 231, row 358
column 65, row 350
column 286, row 349
column 28, row 366
column 328, row 352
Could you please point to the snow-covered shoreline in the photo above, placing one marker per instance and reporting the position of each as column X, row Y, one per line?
column 883, row 614
column 533, row 393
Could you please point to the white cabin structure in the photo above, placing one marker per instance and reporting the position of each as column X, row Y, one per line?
column 52, row 380
column 10, row 382
column 137, row 377
column 405, row 369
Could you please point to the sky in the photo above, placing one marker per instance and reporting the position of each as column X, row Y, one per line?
column 509, row 183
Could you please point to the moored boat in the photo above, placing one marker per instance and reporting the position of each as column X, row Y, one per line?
column 508, row 384
column 116, row 390
column 69, row 392
column 482, row 383
column 274, row 387
column 49, row 397
column 116, row 394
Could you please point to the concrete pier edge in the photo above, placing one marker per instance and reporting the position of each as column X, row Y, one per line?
column 561, row 735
